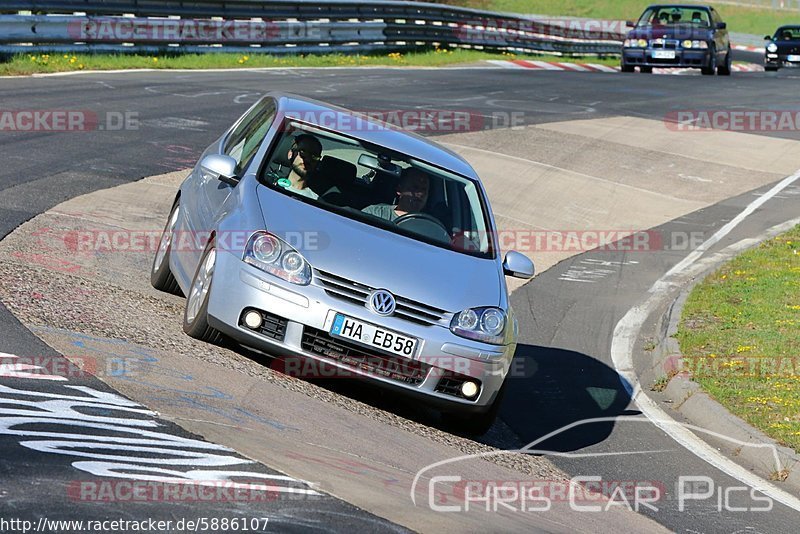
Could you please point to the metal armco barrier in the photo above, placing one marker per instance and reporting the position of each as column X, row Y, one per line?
column 299, row 26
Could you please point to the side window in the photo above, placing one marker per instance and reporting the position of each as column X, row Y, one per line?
column 244, row 140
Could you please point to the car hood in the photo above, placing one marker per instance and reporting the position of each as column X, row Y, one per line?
column 377, row 258
column 667, row 32
column 788, row 47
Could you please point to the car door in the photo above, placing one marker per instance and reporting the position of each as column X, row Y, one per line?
column 207, row 194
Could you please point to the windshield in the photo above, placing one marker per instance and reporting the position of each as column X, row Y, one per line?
column 668, row 15
column 379, row 187
column 788, row 33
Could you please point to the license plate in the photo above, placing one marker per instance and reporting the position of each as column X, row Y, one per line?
column 792, row 58
column 373, row 336
column 663, row 54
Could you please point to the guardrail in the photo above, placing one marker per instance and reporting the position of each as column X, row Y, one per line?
column 283, row 26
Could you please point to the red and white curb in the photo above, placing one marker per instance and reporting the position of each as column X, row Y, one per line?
column 744, row 48
column 594, row 67
column 548, row 65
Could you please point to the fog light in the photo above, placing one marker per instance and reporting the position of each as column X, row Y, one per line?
column 253, row 320
column 469, row 389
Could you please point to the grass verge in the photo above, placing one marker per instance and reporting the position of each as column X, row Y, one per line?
column 740, row 337
column 24, row 64
column 758, row 21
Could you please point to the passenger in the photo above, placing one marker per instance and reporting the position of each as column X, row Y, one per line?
column 697, row 18
column 412, row 195
column 304, row 157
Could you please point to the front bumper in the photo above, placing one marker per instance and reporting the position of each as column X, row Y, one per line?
column 779, row 61
column 684, row 58
column 306, row 314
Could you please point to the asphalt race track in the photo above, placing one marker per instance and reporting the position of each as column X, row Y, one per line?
column 567, row 314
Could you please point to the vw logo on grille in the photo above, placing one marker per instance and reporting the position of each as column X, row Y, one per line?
column 382, row 302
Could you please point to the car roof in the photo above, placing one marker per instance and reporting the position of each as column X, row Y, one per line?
column 378, row 132
column 682, row 6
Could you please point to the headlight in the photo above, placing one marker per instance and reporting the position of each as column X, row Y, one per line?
column 695, row 44
column 635, row 43
column 772, row 47
column 273, row 255
column 481, row 324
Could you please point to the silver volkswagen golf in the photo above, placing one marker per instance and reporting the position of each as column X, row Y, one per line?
column 325, row 237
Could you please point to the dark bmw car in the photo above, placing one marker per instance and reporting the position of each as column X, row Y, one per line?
column 669, row 35
column 783, row 48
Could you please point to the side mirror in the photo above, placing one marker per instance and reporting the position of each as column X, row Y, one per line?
column 767, row 38
column 219, row 167
column 722, row 25
column 630, row 23
column 517, row 265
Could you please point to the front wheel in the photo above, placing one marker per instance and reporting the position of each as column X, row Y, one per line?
column 712, row 64
column 726, row 68
column 195, row 316
column 771, row 69
column 646, row 70
column 626, row 68
column 161, row 276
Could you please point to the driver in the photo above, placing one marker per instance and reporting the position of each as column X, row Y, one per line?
column 304, row 155
column 412, row 195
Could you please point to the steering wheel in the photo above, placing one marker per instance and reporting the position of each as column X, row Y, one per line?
column 423, row 223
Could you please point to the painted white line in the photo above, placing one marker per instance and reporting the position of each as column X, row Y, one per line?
column 626, row 333
column 21, row 370
column 553, row 167
column 229, row 70
column 725, row 230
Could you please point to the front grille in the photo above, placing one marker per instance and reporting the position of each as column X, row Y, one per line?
column 410, row 310
column 667, row 44
column 321, row 343
column 450, row 384
column 273, row 326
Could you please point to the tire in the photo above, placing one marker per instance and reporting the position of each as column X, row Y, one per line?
column 626, row 68
column 771, row 69
column 477, row 424
column 646, row 70
column 195, row 315
column 161, row 276
column 712, row 67
column 725, row 69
